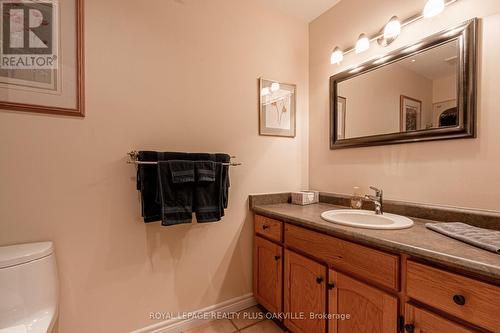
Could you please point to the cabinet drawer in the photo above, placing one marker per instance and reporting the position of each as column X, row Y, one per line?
column 268, row 227
column 364, row 262
column 473, row 301
column 421, row 320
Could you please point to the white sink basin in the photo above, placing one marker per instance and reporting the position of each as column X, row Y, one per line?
column 366, row 219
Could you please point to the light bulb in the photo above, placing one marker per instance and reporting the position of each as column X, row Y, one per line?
column 392, row 28
column 275, row 86
column 362, row 44
column 433, row 8
column 265, row 91
column 337, row 56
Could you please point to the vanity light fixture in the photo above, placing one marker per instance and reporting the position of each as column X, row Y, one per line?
column 362, row 44
column 392, row 28
column 391, row 31
column 275, row 86
column 433, row 8
column 337, row 56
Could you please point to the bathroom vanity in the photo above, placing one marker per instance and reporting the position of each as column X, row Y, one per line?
column 361, row 280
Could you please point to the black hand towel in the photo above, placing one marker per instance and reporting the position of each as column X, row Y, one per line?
column 176, row 183
column 205, row 171
column 147, row 182
column 182, row 171
column 224, row 158
column 208, row 194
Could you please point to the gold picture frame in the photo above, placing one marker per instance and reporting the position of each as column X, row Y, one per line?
column 77, row 80
column 277, row 108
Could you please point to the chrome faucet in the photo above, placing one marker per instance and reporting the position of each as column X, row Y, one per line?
column 377, row 199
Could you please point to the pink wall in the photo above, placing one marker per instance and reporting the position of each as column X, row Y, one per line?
column 460, row 172
column 172, row 75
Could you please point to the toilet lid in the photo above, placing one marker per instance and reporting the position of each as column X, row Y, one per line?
column 14, row 329
column 13, row 255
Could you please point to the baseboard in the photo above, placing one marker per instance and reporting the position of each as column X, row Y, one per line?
column 180, row 325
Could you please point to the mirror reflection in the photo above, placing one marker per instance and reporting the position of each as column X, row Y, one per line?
column 412, row 94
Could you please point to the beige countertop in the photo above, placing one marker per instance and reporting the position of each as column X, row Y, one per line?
column 416, row 241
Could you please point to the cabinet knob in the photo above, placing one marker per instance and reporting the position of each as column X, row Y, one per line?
column 410, row 328
column 265, row 226
column 330, row 285
column 459, row 299
column 277, row 258
column 319, row 280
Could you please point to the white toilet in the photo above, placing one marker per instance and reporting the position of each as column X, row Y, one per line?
column 28, row 288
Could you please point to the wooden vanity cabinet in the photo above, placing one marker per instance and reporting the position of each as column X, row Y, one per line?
column 370, row 309
column 268, row 274
column 301, row 271
column 305, row 294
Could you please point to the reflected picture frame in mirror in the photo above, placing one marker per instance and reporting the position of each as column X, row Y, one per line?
column 465, row 36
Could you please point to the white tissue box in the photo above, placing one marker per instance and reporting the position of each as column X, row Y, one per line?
column 305, row 197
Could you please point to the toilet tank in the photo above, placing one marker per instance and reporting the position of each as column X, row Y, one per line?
column 28, row 286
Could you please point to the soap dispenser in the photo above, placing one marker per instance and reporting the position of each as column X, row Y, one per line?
column 357, row 198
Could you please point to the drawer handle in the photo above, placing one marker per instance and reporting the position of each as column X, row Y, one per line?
column 331, row 286
column 319, row 280
column 410, row 328
column 277, row 258
column 459, row 299
column 265, row 226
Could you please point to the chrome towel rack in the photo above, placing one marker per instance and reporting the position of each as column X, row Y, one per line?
column 134, row 159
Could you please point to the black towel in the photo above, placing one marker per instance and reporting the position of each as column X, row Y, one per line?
column 205, row 171
column 176, row 182
column 147, row 179
column 224, row 158
column 208, row 194
column 147, row 182
column 182, row 171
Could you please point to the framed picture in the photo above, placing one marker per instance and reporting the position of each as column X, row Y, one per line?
column 41, row 56
column 410, row 114
column 277, row 108
column 341, row 107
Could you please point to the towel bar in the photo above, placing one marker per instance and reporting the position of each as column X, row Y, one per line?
column 133, row 155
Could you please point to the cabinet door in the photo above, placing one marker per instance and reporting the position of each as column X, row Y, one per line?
column 267, row 274
column 305, row 294
column 418, row 320
column 370, row 310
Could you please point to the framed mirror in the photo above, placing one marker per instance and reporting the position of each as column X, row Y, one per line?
column 422, row 92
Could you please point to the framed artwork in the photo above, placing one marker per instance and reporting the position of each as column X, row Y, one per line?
column 410, row 114
column 41, row 56
column 277, row 103
column 341, row 107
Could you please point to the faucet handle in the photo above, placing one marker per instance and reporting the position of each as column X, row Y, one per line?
column 378, row 192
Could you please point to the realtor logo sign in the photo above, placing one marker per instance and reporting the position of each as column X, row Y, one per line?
column 29, row 34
